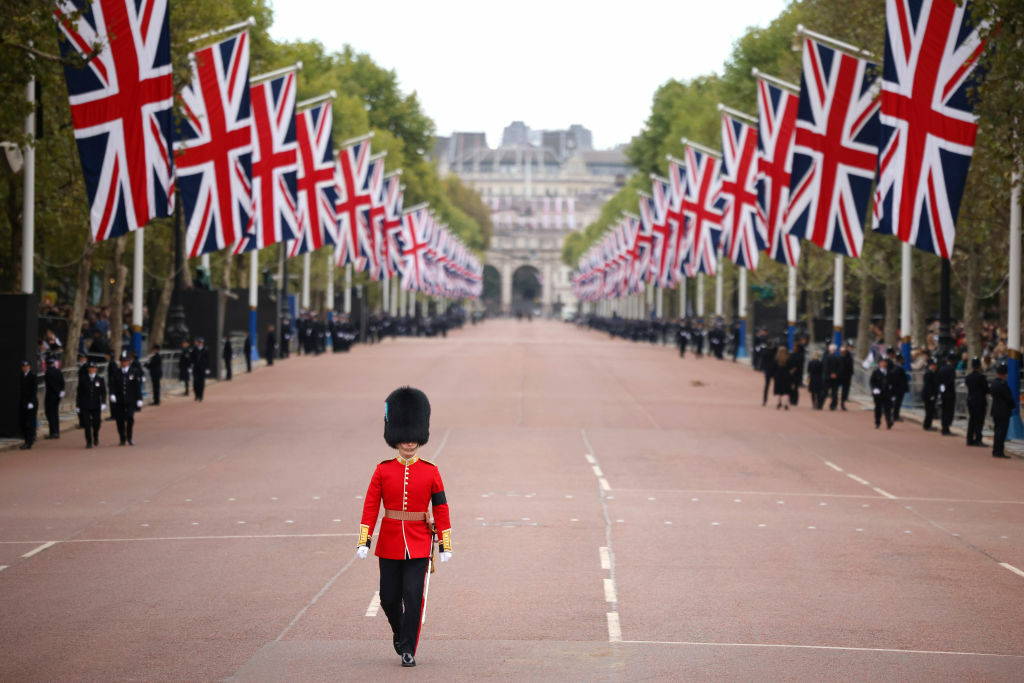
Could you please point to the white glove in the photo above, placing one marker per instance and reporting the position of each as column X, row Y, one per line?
column 138, row 404
column 31, row 406
column 62, row 394
column 362, row 552
column 445, row 556
column 78, row 411
column 103, row 406
column 113, row 398
column 942, row 388
column 876, row 392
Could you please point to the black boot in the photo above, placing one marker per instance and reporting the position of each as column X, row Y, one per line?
column 408, row 659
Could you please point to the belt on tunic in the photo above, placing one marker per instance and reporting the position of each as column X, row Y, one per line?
column 407, row 516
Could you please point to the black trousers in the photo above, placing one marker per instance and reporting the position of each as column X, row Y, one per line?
column 401, row 597
column 53, row 414
column 767, row 386
column 975, row 421
column 199, row 385
column 832, row 389
column 948, row 405
column 227, row 368
column 91, row 421
column 125, row 416
column 846, row 391
column 156, row 390
column 929, row 413
column 184, row 377
column 248, row 362
column 897, row 403
column 28, row 425
column 1002, row 425
column 883, row 405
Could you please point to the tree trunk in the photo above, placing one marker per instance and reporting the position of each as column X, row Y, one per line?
column 163, row 305
column 867, row 299
column 117, row 296
column 971, row 322
column 892, row 313
column 78, row 305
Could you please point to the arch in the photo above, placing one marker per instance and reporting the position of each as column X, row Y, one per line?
column 527, row 289
column 491, row 296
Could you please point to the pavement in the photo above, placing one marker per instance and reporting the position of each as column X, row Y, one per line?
column 618, row 514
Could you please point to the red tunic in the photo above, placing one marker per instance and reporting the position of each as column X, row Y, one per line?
column 410, row 486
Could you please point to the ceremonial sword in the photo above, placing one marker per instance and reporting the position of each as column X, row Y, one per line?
column 430, row 570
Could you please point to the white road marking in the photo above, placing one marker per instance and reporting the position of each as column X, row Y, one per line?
column 606, row 561
column 604, row 484
column 597, row 470
column 834, row 466
column 667, row 522
column 609, row 591
column 822, row 647
column 589, row 458
column 1011, row 568
column 371, row 611
column 39, row 549
column 883, row 492
column 857, row 479
column 4, row 566
column 614, row 629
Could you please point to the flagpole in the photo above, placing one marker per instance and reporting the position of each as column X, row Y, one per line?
column 741, row 351
column 1016, row 430
column 682, row 296
column 313, row 101
column 837, row 303
column 777, row 82
column 659, row 304
column 254, row 302
column 348, row 289
column 251, row 21
column 395, row 310
column 852, row 50
column 137, row 285
column 700, row 295
column 28, row 213
column 905, row 312
column 719, row 276
column 329, row 304
column 306, row 259
column 253, row 80
column 385, row 295
column 791, row 309
column 401, row 297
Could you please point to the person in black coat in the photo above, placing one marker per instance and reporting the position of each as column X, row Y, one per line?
column 767, row 367
column 227, row 354
column 781, row 377
column 831, row 369
column 684, row 338
column 816, row 382
column 185, row 364
column 845, row 375
column 930, row 394
column 28, row 404
column 200, row 367
column 946, row 377
column 247, row 350
column 270, row 347
column 899, row 384
column 112, row 369
column 977, row 401
column 1003, row 404
column 881, row 391
column 698, row 340
column 796, row 366
column 90, row 402
column 126, row 398
column 54, row 381
column 155, row 365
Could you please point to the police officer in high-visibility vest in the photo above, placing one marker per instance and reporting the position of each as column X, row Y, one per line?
column 406, row 485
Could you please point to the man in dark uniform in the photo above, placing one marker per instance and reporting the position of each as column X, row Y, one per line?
column 247, row 350
column 406, row 485
column 90, row 402
column 767, row 367
column 946, row 377
column 155, row 365
column 899, row 384
column 200, row 367
column 28, row 404
column 1003, row 403
column 185, row 364
column 831, row 368
column 930, row 394
column 796, row 364
column 126, row 398
column 286, row 338
column 112, row 369
column 684, row 337
column 977, row 399
column 698, row 340
column 227, row 354
column 54, row 380
column 270, row 348
column 845, row 375
column 881, row 391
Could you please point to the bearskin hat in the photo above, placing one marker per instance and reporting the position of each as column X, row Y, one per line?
column 406, row 417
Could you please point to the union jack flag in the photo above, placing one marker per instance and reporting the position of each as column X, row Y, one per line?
column 353, row 172
column 776, row 128
column 274, row 165
column 702, row 209
column 745, row 234
column 121, row 109
column 677, row 179
column 214, row 150
column 393, row 196
column 928, row 122
column 663, row 234
column 418, row 223
column 835, row 150
column 642, row 245
column 318, row 189
column 372, row 217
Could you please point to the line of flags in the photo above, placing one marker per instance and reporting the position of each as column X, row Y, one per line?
column 813, row 159
column 250, row 166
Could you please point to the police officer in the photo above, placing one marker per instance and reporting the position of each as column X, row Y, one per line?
column 90, row 402
column 112, row 369
column 930, row 393
column 881, row 391
column 155, row 365
column 831, row 368
column 126, row 398
column 270, row 347
column 247, row 350
column 977, row 398
column 228, row 353
column 185, row 364
column 845, row 375
column 28, row 404
column 406, row 485
column 1003, row 403
column 946, row 377
column 54, row 381
column 899, row 385
column 200, row 367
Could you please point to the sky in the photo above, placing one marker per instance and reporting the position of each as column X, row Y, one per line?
column 479, row 65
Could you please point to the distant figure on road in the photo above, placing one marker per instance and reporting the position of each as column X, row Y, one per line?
column 816, row 382
column 930, row 394
column 406, row 485
column 831, row 367
column 227, row 354
column 1003, row 404
column 881, row 391
column 247, row 350
column 155, row 365
column 28, row 404
column 845, row 375
column 977, row 395
column 200, row 367
column 780, row 376
column 767, row 367
column 270, row 349
column 185, row 364
column 54, row 380
column 946, row 377
column 899, row 384
column 90, row 402
column 126, row 398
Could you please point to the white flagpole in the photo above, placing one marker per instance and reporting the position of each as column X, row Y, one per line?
column 137, row 286
column 905, row 314
column 348, row 289
column 741, row 351
column 330, row 284
column 837, row 303
column 28, row 214
column 394, row 297
column 791, row 308
column 254, row 301
column 401, row 297
column 385, row 298
column 659, row 304
column 306, row 258
column 682, row 296
column 700, row 295
column 718, row 286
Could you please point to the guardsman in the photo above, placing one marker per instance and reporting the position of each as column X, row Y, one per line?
column 899, row 385
column 930, row 393
column 126, row 398
column 155, row 365
column 1003, row 404
column 406, row 485
column 977, row 401
column 946, row 377
column 200, row 367
column 881, row 391
column 54, row 380
column 28, row 404
column 90, row 402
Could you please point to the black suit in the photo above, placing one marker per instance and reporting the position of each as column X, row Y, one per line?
column 1003, row 404
column 831, row 367
column 113, row 367
column 946, row 377
column 228, row 354
column 899, row 385
column 185, row 366
column 270, row 348
column 125, row 396
column 881, row 390
column 200, row 366
column 929, row 394
column 845, row 376
column 155, row 365
column 977, row 393
column 247, row 350
column 28, row 406
column 89, row 401
column 54, row 388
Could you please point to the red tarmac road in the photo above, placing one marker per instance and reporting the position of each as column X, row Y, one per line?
column 618, row 514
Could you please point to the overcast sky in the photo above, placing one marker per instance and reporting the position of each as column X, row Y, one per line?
column 479, row 65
